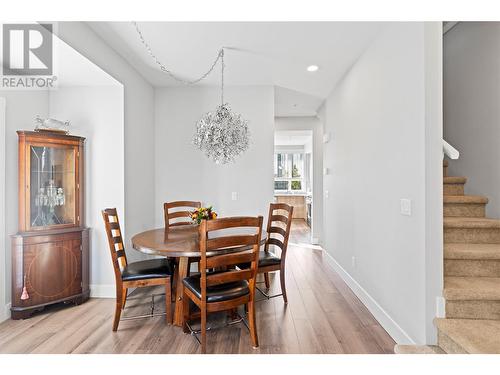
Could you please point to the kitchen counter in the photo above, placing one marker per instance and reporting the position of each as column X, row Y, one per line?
column 291, row 194
column 298, row 201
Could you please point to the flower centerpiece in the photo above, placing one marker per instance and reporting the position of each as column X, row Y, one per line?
column 203, row 213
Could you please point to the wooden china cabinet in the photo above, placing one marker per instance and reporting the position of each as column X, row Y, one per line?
column 50, row 253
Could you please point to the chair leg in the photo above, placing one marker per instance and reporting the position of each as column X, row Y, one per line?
column 266, row 280
column 124, row 297
column 185, row 313
column 251, row 324
column 118, row 308
column 168, row 301
column 283, row 286
column 203, row 330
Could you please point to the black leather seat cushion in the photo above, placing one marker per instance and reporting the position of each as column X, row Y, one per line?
column 147, row 269
column 268, row 259
column 217, row 293
column 265, row 259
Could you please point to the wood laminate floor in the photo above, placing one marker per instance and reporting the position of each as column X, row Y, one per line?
column 322, row 316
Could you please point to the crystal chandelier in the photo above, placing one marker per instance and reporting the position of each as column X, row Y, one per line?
column 222, row 134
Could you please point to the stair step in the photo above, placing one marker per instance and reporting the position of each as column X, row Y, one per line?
column 471, row 230
column 472, row 260
column 464, row 205
column 468, row 336
column 418, row 349
column 471, row 288
column 478, row 309
column 454, row 180
column 476, row 260
column 472, row 251
column 470, row 223
column 465, row 199
column 472, row 268
column 453, row 185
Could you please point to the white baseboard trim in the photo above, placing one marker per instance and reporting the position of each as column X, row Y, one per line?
column 385, row 320
column 102, row 291
column 5, row 314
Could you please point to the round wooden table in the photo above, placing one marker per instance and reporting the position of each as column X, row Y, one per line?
column 181, row 242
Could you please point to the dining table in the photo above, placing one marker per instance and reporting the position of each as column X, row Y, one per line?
column 182, row 243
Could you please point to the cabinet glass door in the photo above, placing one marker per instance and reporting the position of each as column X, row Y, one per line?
column 52, row 186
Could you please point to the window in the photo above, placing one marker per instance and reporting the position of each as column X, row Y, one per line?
column 289, row 172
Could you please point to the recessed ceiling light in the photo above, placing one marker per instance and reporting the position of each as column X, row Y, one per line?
column 312, row 68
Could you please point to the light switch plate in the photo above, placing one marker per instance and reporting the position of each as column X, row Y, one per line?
column 234, row 196
column 405, row 206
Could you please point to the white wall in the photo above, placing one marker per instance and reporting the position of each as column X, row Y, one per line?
column 183, row 172
column 22, row 106
column 377, row 119
column 433, row 60
column 139, row 126
column 314, row 124
column 471, row 106
column 3, row 303
column 96, row 113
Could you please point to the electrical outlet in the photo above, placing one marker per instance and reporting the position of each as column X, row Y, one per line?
column 234, row 196
column 353, row 262
column 327, row 137
column 405, row 206
column 327, row 194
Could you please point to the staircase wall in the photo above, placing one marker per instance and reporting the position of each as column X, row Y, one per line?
column 471, row 113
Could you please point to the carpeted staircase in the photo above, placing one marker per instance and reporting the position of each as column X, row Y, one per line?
column 471, row 275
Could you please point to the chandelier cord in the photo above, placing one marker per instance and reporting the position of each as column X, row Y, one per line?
column 163, row 68
column 222, row 77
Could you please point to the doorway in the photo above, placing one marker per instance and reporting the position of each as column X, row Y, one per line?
column 293, row 177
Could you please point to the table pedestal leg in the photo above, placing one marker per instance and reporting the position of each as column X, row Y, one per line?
column 180, row 273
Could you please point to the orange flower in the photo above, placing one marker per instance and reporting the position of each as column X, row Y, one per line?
column 214, row 215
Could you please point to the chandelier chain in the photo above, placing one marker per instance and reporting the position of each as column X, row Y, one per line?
column 222, row 77
column 220, row 55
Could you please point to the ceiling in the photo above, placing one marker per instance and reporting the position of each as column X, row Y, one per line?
column 74, row 69
column 256, row 53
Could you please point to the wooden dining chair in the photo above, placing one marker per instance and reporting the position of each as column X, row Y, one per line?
column 134, row 275
column 179, row 212
column 278, row 231
column 227, row 288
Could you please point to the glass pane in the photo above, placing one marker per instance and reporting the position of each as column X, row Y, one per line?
column 280, row 185
column 298, row 165
column 52, row 194
column 280, row 165
column 296, row 185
